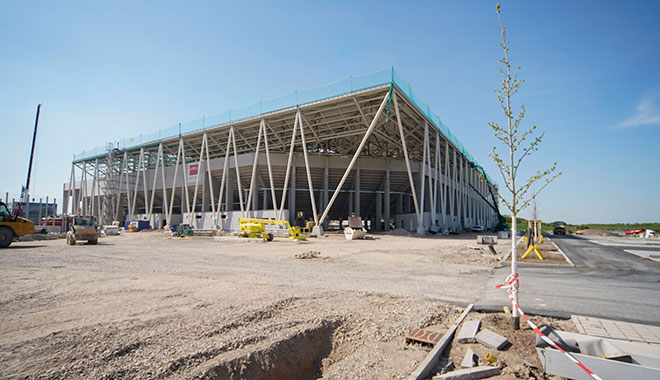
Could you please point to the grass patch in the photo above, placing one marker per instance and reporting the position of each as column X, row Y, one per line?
column 521, row 225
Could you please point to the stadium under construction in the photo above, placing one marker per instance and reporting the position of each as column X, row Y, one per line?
column 363, row 146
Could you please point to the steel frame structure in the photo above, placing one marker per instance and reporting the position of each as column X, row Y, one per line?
column 371, row 153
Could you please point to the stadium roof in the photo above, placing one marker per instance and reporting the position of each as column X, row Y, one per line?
column 359, row 85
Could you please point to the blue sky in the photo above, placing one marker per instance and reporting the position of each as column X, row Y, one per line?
column 109, row 70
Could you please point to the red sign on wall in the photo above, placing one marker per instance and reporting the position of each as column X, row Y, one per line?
column 193, row 169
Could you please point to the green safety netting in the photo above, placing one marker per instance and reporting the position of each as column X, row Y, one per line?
column 296, row 98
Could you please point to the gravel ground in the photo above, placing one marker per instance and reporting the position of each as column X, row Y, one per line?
column 143, row 305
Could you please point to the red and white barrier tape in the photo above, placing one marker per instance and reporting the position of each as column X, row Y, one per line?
column 511, row 283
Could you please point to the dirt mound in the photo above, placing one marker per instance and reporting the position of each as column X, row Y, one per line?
column 598, row 232
column 398, row 232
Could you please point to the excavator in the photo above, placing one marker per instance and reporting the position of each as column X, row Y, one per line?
column 12, row 226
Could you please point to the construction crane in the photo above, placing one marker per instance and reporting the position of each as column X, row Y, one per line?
column 25, row 190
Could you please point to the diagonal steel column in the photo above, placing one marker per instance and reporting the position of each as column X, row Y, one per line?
column 163, row 207
column 238, row 172
column 254, row 168
column 224, row 179
column 309, row 175
column 288, row 168
column 199, row 168
column 270, row 170
column 176, row 173
column 405, row 154
column 355, row 157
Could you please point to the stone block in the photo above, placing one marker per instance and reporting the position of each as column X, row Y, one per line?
column 491, row 339
column 469, row 373
column 470, row 359
column 468, row 331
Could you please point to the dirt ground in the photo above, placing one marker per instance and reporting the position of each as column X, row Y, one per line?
column 519, row 360
column 144, row 305
column 598, row 232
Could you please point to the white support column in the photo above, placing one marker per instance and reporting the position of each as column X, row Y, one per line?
column 386, row 216
column 355, row 157
column 140, row 168
column 72, row 182
column 176, row 173
column 121, row 181
column 326, row 195
column 436, row 180
column 185, row 179
column 459, row 190
column 292, row 191
column 420, row 227
column 470, row 192
column 161, row 154
column 358, row 189
column 445, row 189
column 288, row 169
column 253, row 179
column 92, row 198
column 225, row 178
column 452, row 194
column 199, row 168
column 149, row 211
column 128, row 188
column 465, row 192
column 270, row 169
column 98, row 191
column 83, row 189
column 422, row 177
column 318, row 231
column 238, row 172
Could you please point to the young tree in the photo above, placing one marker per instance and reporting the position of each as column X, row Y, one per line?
column 519, row 144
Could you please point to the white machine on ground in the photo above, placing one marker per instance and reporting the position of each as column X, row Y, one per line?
column 355, row 229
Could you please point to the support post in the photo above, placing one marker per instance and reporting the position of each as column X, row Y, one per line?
column 238, row 172
column 355, row 157
column 176, row 172
column 223, row 180
column 358, row 206
column 420, row 227
column 254, row 169
column 317, row 230
column 288, row 169
column 386, row 216
column 326, row 174
column 270, row 170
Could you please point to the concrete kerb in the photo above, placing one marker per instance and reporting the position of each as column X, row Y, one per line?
column 562, row 253
column 426, row 366
column 506, row 257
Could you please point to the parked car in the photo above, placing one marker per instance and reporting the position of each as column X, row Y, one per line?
column 559, row 228
column 478, row 229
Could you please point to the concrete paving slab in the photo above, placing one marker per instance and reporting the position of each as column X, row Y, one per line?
column 491, row 339
column 468, row 331
column 607, row 328
column 469, row 373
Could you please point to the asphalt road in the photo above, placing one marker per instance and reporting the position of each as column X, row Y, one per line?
column 606, row 282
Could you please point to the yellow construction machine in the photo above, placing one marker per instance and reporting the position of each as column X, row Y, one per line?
column 12, row 226
column 256, row 228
